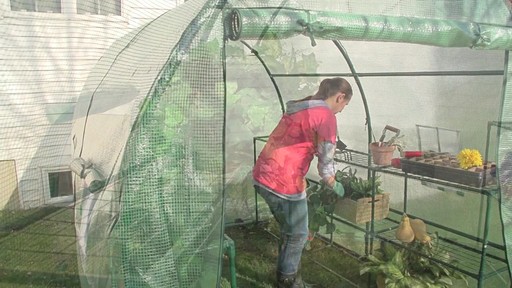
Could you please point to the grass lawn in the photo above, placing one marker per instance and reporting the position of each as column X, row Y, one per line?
column 38, row 253
column 38, row 249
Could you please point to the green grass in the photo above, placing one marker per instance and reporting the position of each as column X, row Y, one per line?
column 11, row 221
column 256, row 252
column 40, row 253
column 38, row 249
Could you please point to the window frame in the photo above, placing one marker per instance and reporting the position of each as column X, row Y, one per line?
column 121, row 8
column 35, row 4
column 68, row 8
column 45, row 173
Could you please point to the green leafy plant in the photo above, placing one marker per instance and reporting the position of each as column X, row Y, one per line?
column 412, row 265
column 321, row 202
column 322, row 199
column 357, row 187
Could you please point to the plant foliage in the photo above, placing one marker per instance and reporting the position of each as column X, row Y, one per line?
column 322, row 199
column 357, row 187
column 321, row 203
column 413, row 265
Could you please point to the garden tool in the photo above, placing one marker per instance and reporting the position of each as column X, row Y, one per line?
column 339, row 144
column 390, row 128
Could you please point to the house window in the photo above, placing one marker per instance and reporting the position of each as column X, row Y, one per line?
column 57, row 185
column 91, row 7
column 60, row 184
column 36, row 5
column 99, row 7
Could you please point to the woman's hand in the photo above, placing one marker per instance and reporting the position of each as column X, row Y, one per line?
column 336, row 186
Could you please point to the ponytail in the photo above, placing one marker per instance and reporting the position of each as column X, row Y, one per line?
column 332, row 86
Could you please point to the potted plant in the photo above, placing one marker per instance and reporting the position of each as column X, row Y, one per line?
column 382, row 151
column 411, row 264
column 356, row 205
column 357, row 187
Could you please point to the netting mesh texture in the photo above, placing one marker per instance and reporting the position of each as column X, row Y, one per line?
column 172, row 197
column 158, row 222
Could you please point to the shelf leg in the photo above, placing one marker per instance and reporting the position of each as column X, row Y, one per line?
column 372, row 222
column 405, row 193
column 485, row 241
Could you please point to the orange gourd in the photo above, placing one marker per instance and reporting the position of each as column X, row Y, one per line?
column 420, row 230
column 404, row 232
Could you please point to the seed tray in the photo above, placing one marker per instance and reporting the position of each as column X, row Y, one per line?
column 445, row 166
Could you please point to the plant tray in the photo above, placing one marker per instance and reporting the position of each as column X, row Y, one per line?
column 445, row 166
column 360, row 211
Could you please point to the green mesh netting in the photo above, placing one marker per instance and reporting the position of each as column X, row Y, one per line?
column 284, row 23
column 159, row 222
column 503, row 129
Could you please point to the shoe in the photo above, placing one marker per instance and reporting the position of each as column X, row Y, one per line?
column 292, row 281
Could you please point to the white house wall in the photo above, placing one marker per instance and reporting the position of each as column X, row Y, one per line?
column 44, row 61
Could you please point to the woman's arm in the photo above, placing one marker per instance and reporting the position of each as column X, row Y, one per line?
column 325, row 154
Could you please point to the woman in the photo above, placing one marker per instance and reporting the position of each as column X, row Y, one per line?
column 307, row 128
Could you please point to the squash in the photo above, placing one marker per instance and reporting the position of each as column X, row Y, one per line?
column 420, row 230
column 404, row 232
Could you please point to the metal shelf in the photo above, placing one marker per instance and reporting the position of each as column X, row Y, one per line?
column 360, row 159
column 480, row 260
column 464, row 258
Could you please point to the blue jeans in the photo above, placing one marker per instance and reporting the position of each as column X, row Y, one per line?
column 292, row 217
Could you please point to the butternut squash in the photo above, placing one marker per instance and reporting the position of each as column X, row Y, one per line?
column 420, row 230
column 404, row 232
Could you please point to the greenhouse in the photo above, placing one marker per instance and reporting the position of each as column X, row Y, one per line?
column 130, row 130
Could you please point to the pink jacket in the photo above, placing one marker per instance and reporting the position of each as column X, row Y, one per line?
column 307, row 128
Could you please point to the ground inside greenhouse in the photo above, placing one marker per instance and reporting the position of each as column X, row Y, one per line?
column 323, row 265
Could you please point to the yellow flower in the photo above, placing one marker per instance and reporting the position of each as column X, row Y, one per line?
column 469, row 158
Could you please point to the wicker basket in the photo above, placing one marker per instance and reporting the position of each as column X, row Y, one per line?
column 360, row 211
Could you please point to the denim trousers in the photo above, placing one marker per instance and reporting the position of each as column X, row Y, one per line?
column 292, row 217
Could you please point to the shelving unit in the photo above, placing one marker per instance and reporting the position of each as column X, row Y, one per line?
column 471, row 261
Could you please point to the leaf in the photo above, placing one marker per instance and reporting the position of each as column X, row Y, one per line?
column 329, row 208
column 365, row 270
column 313, row 226
column 313, row 188
column 374, row 259
column 314, row 198
column 446, row 280
column 309, row 61
column 321, row 219
column 330, row 228
column 388, row 251
column 393, row 272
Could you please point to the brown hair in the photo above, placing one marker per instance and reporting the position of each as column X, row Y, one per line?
column 331, row 86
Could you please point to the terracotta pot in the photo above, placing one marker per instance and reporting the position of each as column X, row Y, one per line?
column 381, row 154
